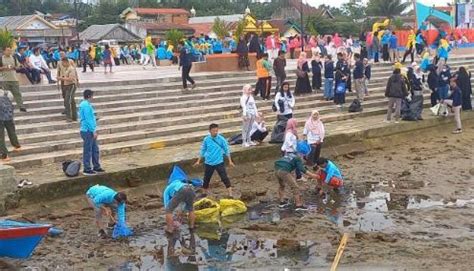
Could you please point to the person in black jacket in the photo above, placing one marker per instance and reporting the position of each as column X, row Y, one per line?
column 243, row 53
column 395, row 91
column 359, row 77
column 254, row 45
column 341, row 77
column 433, row 84
column 316, row 68
column 464, row 83
column 328, row 78
column 185, row 64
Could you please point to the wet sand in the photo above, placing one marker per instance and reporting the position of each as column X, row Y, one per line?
column 407, row 205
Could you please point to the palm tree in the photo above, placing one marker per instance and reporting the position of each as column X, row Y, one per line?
column 387, row 8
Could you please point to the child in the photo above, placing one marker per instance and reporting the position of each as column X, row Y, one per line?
column 368, row 74
column 107, row 58
column 328, row 174
column 316, row 67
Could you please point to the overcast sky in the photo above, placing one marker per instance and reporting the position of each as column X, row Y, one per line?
column 338, row 3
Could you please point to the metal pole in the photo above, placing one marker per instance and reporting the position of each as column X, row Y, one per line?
column 302, row 27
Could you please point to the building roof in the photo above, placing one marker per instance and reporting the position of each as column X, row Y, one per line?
column 284, row 25
column 204, row 28
column 163, row 26
column 210, row 19
column 98, row 32
column 159, row 11
column 16, row 22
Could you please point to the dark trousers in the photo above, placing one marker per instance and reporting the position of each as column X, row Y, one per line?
column 410, row 52
column 264, row 86
column 209, row 171
column 292, row 53
column 85, row 61
column 69, row 92
column 258, row 136
column 37, row 74
column 419, row 48
column 434, row 98
column 376, row 57
column 90, row 151
column 185, row 75
column 280, row 79
column 28, row 73
column 8, row 125
column 314, row 154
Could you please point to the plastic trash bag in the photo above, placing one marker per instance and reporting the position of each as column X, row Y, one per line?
column 121, row 229
column 232, row 207
column 177, row 174
column 435, row 109
column 206, row 211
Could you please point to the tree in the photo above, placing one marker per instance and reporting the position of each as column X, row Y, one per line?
column 354, row 9
column 239, row 30
column 387, row 8
column 174, row 36
column 6, row 39
column 220, row 28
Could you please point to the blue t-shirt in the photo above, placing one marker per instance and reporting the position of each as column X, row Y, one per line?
column 100, row 195
column 393, row 42
column 332, row 171
column 171, row 190
column 213, row 150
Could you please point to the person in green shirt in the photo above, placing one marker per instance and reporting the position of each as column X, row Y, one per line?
column 283, row 172
column 9, row 81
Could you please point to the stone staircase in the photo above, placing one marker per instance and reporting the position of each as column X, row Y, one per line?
column 137, row 115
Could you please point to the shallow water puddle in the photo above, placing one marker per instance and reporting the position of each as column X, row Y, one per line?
column 193, row 251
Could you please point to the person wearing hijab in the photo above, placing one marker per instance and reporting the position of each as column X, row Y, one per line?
column 249, row 113
column 314, row 133
column 464, row 83
column 291, row 142
column 316, row 68
column 302, row 82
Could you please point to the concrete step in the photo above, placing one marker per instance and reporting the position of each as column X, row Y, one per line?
column 176, row 81
column 54, row 144
column 33, row 134
column 156, row 111
column 153, row 143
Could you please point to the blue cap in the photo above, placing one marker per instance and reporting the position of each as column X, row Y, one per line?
column 303, row 147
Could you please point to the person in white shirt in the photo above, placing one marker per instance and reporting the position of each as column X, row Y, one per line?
column 285, row 101
column 38, row 66
column 259, row 131
column 314, row 133
column 291, row 142
column 249, row 113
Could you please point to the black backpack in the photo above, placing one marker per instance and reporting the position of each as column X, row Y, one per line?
column 71, row 168
column 355, row 106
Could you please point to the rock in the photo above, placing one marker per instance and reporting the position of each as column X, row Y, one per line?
column 471, row 171
column 261, row 192
column 153, row 205
column 248, row 195
column 153, row 196
column 404, row 173
column 349, row 156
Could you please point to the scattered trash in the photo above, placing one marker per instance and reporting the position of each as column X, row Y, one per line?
column 53, row 232
column 24, row 183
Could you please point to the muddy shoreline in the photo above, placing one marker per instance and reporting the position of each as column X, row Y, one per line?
column 408, row 205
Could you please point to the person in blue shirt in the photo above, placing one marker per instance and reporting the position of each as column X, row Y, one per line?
column 444, row 73
column 393, row 48
column 329, row 175
column 419, row 43
column 161, row 53
column 385, row 45
column 108, row 202
column 217, row 46
column 213, row 149
column 455, row 102
column 89, row 135
column 176, row 193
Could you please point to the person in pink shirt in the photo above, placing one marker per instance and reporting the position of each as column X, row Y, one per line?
column 272, row 43
column 337, row 40
column 294, row 43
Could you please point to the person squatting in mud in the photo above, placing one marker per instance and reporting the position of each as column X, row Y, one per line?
column 328, row 174
column 176, row 194
column 283, row 172
column 108, row 202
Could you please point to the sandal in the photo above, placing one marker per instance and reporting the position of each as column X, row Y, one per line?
column 23, row 183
